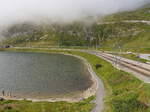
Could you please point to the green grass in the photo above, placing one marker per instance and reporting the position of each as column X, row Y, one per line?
column 139, row 14
column 124, row 92
column 131, row 37
column 28, row 106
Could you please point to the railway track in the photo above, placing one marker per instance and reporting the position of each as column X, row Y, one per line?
column 119, row 61
column 137, row 65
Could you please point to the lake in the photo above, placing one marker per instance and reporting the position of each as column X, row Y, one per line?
column 42, row 75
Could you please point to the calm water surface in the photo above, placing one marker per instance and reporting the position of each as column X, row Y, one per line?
column 39, row 75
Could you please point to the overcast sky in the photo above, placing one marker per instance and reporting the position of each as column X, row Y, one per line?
column 22, row 10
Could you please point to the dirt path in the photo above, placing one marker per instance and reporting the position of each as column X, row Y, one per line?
column 99, row 97
column 126, row 21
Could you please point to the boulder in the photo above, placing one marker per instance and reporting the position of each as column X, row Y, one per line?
column 98, row 66
column 2, row 99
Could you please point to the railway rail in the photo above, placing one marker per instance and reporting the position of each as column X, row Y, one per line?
column 119, row 61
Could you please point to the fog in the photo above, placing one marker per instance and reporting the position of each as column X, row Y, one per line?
column 61, row 10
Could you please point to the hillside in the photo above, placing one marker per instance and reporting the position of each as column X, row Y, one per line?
column 113, row 35
column 139, row 14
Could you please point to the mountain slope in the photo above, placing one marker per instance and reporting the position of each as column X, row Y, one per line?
column 139, row 14
column 114, row 34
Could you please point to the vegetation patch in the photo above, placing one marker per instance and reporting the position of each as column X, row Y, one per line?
column 28, row 106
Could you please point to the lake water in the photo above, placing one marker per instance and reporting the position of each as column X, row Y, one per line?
column 41, row 75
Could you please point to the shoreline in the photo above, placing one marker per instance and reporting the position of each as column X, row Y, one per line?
column 81, row 95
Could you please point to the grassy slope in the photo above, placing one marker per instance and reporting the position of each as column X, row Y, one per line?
column 129, row 36
column 139, row 14
column 28, row 106
column 122, row 96
column 138, row 35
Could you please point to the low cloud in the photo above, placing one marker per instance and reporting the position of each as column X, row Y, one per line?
column 61, row 10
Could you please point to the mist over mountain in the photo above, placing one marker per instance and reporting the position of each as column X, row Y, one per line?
column 13, row 11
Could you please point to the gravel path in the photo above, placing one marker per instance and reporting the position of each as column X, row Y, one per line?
column 99, row 96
